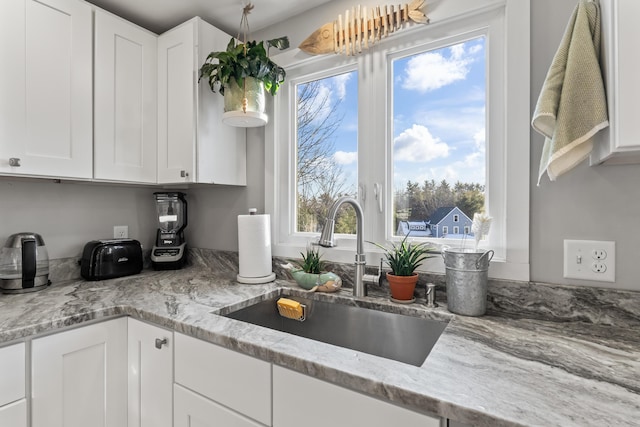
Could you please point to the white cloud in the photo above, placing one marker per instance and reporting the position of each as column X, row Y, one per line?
column 345, row 158
column 432, row 70
column 479, row 138
column 324, row 92
column 340, row 84
column 416, row 144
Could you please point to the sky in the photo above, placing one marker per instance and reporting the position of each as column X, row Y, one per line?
column 438, row 116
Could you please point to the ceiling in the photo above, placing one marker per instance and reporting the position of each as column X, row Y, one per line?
column 161, row 15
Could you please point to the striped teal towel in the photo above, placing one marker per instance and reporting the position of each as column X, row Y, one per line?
column 572, row 106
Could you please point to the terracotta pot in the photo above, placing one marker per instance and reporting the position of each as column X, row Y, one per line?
column 402, row 287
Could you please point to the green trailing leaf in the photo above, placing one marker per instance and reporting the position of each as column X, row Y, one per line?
column 240, row 61
column 279, row 43
column 404, row 258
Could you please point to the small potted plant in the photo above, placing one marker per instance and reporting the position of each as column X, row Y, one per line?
column 311, row 275
column 242, row 73
column 404, row 258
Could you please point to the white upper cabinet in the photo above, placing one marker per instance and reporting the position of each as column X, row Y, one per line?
column 125, row 85
column 193, row 144
column 620, row 143
column 46, row 88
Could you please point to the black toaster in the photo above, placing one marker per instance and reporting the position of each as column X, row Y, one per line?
column 107, row 259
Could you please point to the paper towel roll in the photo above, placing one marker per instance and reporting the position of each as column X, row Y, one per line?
column 254, row 249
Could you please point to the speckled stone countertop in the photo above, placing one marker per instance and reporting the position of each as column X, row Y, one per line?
column 509, row 368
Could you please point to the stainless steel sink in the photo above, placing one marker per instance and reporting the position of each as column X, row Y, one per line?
column 394, row 336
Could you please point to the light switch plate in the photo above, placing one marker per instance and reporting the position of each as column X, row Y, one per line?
column 590, row 260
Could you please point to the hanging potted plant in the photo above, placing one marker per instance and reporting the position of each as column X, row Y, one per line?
column 403, row 259
column 311, row 274
column 241, row 74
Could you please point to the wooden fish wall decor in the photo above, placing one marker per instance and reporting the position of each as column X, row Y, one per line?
column 362, row 28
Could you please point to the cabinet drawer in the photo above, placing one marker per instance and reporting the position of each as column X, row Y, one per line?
column 191, row 409
column 12, row 372
column 303, row 400
column 235, row 380
column 14, row 414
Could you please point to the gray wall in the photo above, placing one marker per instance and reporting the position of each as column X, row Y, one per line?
column 591, row 203
column 68, row 215
column 600, row 203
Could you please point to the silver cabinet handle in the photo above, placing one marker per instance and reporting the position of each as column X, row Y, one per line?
column 14, row 161
column 160, row 342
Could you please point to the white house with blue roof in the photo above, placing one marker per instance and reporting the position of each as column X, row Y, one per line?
column 448, row 222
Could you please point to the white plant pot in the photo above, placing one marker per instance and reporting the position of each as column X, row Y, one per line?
column 241, row 113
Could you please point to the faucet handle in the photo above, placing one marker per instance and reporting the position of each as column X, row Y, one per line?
column 374, row 279
column 431, row 296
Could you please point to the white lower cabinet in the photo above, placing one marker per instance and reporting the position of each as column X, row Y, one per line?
column 234, row 380
column 302, row 400
column 150, row 375
column 79, row 377
column 193, row 410
column 13, row 405
column 14, row 414
column 124, row 372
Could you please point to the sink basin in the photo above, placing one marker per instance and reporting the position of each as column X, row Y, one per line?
column 394, row 336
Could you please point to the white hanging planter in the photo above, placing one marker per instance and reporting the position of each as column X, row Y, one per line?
column 245, row 106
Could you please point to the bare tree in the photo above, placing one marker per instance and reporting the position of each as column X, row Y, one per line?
column 320, row 178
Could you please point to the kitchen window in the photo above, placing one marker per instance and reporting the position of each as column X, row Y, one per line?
column 326, row 146
column 476, row 126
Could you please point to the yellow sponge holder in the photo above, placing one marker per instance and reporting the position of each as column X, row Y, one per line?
column 292, row 309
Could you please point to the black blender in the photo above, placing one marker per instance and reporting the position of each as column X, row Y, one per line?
column 169, row 252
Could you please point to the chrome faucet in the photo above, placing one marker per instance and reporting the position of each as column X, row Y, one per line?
column 326, row 240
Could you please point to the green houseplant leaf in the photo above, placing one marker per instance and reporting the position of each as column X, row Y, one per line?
column 241, row 60
column 405, row 257
column 311, row 261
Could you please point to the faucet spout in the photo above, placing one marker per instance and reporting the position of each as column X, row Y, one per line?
column 327, row 240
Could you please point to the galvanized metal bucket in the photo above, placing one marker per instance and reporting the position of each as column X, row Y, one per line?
column 466, row 279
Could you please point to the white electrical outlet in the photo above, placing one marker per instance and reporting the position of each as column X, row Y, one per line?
column 120, row 231
column 590, row 260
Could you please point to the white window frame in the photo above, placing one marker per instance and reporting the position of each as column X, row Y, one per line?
column 456, row 218
column 507, row 121
column 456, row 229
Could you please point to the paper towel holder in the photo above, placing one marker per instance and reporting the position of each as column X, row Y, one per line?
column 256, row 280
column 251, row 278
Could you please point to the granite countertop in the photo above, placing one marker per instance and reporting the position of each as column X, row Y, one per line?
column 495, row 370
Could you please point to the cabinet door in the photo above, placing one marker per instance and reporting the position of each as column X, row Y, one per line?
column 125, row 101
column 235, row 380
column 14, row 414
column 302, row 400
column 176, row 105
column 193, row 410
column 222, row 151
column 46, row 88
column 620, row 142
column 12, row 372
column 150, row 375
column 79, row 377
